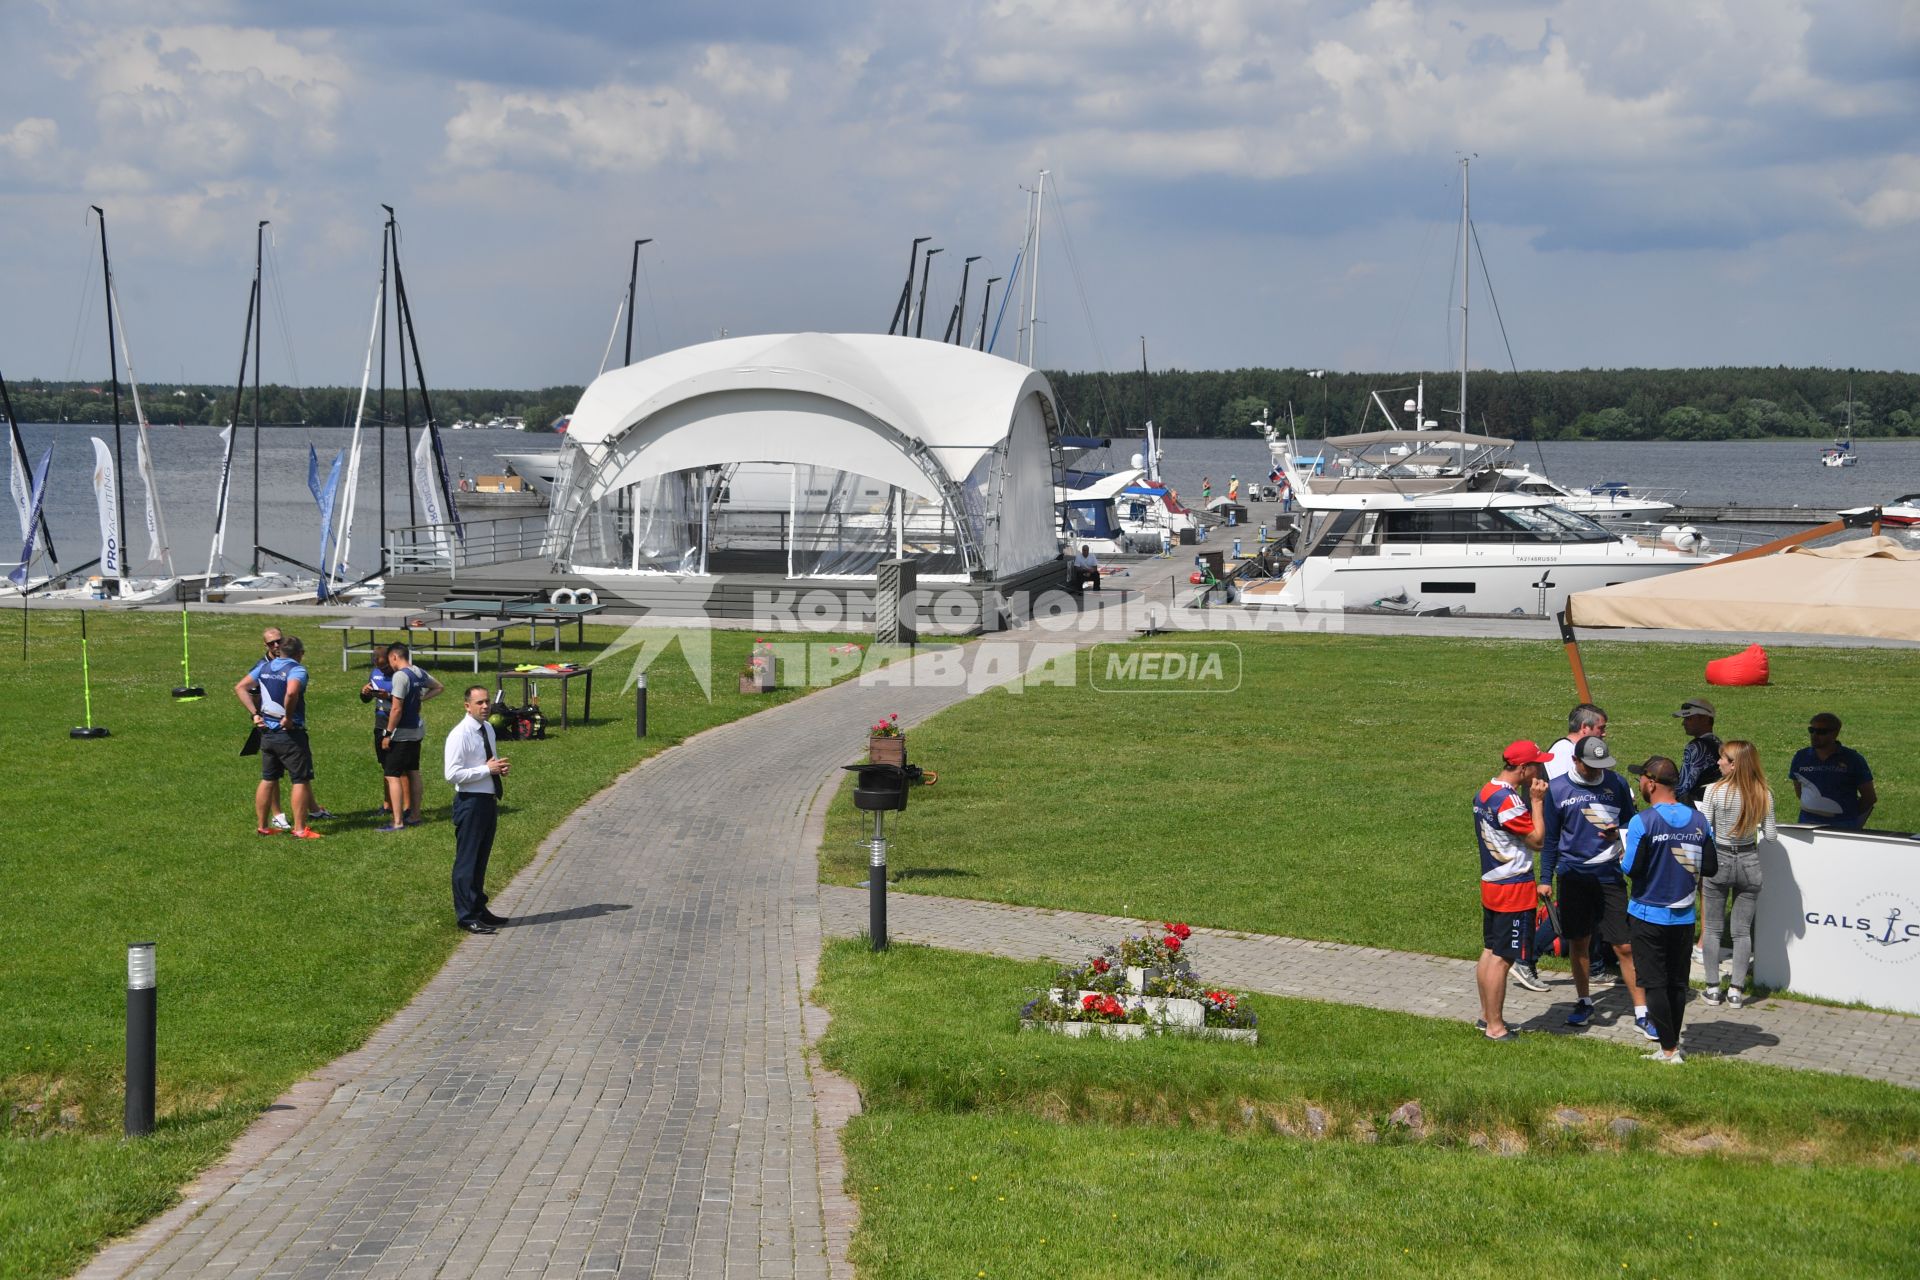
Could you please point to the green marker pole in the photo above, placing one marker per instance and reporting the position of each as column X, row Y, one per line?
column 189, row 691
column 90, row 729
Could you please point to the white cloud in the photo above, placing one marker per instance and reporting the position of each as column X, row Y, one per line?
column 1897, row 199
column 737, row 73
column 615, row 127
column 30, row 139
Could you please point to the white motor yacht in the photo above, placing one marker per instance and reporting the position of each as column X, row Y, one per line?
column 1437, row 544
column 1610, row 500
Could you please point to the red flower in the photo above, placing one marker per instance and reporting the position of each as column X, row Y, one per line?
column 1089, row 1000
column 1179, row 931
column 1100, row 964
column 1112, row 1008
column 1170, row 942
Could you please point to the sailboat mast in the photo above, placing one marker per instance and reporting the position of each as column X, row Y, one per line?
column 383, row 396
column 113, row 367
column 254, row 318
column 980, row 344
column 633, row 279
column 1033, row 280
column 1465, row 224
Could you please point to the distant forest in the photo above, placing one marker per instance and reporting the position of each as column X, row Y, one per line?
column 1582, row 404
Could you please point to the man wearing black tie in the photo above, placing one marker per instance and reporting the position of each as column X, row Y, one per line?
column 476, row 774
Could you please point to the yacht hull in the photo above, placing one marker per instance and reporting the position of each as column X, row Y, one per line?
column 1463, row 583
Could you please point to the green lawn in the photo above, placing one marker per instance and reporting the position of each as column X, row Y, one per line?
column 1328, row 797
column 983, row 1149
column 274, row 955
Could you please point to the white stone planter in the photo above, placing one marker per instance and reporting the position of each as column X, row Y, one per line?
column 1171, row 1012
column 1081, row 1030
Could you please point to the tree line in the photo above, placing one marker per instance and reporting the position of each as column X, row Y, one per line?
column 1575, row 404
column 36, row 400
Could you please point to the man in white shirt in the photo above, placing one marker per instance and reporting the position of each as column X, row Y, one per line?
column 1584, row 721
column 476, row 774
column 1085, row 570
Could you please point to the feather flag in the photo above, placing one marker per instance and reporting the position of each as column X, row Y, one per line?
column 32, row 519
column 105, row 496
column 220, row 502
column 324, row 497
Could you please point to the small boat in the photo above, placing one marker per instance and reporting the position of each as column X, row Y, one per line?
column 1903, row 511
column 1608, row 500
column 1840, row 453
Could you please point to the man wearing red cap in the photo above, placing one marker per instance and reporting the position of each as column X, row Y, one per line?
column 1508, row 829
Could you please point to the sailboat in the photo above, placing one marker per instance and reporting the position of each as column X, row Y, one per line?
column 1840, row 453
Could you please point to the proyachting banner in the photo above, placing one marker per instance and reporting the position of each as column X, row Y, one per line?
column 157, row 549
column 426, row 483
column 106, row 498
column 17, row 477
column 220, row 503
column 30, row 520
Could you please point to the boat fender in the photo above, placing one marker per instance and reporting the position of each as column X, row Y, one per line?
column 564, row 595
column 1670, row 535
column 1748, row 667
column 1196, row 577
column 586, row 595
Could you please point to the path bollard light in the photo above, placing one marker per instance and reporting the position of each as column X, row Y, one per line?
column 142, row 1002
column 878, row 789
column 640, row 705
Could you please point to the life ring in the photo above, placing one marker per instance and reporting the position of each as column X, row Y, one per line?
column 563, row 595
column 586, row 595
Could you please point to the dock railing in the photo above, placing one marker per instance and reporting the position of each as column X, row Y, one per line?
column 435, row 548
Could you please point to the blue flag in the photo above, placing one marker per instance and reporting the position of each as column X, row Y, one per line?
column 19, row 576
column 324, row 497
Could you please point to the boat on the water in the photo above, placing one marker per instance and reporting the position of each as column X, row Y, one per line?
column 1373, row 539
column 1903, row 511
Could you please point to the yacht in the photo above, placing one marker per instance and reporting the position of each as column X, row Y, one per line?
column 1376, row 540
column 1903, row 511
column 1608, row 500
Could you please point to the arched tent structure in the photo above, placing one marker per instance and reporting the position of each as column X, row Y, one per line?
column 809, row 455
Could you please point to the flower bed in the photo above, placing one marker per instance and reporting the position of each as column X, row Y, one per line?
column 1142, row 985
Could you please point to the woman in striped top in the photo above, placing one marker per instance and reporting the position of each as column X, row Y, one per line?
column 1740, row 809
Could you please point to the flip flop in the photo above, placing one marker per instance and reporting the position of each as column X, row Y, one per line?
column 1508, row 1034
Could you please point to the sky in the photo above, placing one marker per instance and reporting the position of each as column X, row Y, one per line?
column 1238, row 183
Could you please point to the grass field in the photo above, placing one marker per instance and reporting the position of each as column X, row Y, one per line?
column 984, row 1150
column 1328, row 797
column 274, row 955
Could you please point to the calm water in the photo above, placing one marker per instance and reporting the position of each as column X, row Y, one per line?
column 186, row 467
column 187, row 464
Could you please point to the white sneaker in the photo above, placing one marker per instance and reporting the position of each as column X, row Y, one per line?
column 1660, row 1055
column 280, row 822
column 1735, row 998
column 1529, row 977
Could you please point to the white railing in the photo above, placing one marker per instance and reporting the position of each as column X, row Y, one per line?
column 435, row 548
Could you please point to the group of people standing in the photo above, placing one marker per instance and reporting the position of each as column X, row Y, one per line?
column 1620, row 881
column 274, row 693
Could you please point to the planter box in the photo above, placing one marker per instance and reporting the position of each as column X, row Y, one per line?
column 1134, row 1031
column 1081, row 1030
column 887, row 748
column 1171, row 1012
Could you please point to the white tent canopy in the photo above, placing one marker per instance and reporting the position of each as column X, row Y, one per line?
column 832, row 449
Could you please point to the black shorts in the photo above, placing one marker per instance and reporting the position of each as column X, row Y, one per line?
column 1662, row 954
column 379, row 749
column 1508, row 934
column 402, row 758
column 1590, row 905
column 285, row 751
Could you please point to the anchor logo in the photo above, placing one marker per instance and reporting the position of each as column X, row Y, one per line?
column 1887, row 939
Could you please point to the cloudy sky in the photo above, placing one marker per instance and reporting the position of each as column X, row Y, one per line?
column 1733, row 182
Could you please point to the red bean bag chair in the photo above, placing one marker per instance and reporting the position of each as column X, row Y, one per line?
column 1746, row 667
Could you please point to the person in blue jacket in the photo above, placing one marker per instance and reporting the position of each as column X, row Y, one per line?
column 1666, row 851
column 1586, row 808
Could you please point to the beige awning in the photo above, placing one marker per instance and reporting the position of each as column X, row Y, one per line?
column 1866, row 587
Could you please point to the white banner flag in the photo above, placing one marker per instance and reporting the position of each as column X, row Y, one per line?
column 105, row 496
column 426, row 483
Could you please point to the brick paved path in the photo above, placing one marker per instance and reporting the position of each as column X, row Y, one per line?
column 615, row 1084
column 1786, row 1033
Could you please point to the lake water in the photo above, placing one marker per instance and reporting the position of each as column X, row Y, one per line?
column 187, row 465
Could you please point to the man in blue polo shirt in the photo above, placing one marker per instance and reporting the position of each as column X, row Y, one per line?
column 1667, row 849
column 1833, row 782
column 1586, row 807
column 274, row 694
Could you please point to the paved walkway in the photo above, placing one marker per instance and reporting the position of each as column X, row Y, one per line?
column 617, row 1083
column 1785, row 1033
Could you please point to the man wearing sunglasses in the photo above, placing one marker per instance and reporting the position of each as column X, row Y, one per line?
column 1833, row 781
